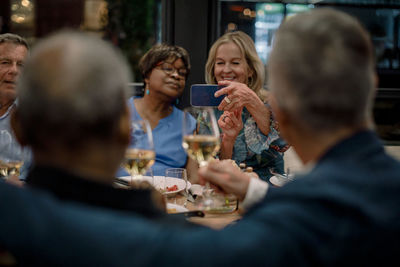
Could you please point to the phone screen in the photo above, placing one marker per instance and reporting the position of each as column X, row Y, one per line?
column 202, row 95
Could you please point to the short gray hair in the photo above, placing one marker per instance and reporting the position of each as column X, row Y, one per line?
column 73, row 86
column 325, row 59
column 14, row 39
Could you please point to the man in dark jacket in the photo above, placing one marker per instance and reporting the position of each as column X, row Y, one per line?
column 72, row 112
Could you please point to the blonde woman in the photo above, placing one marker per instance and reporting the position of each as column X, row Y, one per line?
column 249, row 134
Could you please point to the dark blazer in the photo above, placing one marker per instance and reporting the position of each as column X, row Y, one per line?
column 345, row 212
column 68, row 186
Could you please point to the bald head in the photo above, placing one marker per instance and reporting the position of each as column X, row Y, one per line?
column 73, row 89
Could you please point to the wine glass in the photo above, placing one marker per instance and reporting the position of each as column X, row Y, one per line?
column 140, row 155
column 179, row 173
column 12, row 155
column 203, row 143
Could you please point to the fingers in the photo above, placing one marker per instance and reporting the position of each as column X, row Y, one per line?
column 223, row 91
column 230, row 103
column 227, row 120
column 214, row 173
column 235, row 119
column 232, row 99
column 227, row 100
column 231, row 121
column 238, row 115
column 226, row 176
column 14, row 180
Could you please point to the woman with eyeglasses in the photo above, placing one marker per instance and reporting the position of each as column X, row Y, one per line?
column 165, row 69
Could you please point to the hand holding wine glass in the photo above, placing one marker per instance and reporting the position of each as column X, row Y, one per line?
column 140, row 155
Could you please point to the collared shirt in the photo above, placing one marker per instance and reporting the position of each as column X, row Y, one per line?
column 8, row 143
column 9, row 146
column 257, row 189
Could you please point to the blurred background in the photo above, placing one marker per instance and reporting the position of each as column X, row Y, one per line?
column 135, row 25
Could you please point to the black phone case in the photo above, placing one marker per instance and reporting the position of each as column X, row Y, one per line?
column 202, row 95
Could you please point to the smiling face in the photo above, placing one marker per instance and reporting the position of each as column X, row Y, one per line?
column 165, row 80
column 12, row 58
column 230, row 64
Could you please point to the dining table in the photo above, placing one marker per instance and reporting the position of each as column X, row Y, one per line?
column 211, row 219
column 181, row 204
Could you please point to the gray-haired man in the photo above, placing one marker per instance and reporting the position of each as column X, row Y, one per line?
column 13, row 52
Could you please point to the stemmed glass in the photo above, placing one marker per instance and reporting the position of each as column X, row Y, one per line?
column 203, row 143
column 12, row 156
column 179, row 173
column 140, row 155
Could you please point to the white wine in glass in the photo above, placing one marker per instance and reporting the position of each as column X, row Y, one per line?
column 137, row 161
column 12, row 156
column 140, row 155
column 203, row 144
column 202, row 148
column 10, row 168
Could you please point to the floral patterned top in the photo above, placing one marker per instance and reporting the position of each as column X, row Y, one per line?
column 256, row 150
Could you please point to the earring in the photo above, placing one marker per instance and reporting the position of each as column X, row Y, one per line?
column 177, row 101
column 147, row 91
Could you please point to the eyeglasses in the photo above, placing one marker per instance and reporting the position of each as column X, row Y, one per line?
column 169, row 69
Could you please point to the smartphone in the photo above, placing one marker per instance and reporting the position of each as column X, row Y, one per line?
column 202, row 95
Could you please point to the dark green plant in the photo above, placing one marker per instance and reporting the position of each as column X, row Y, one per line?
column 129, row 25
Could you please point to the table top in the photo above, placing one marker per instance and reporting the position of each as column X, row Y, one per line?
column 212, row 220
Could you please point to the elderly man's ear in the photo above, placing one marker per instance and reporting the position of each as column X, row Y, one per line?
column 124, row 136
column 17, row 128
column 282, row 118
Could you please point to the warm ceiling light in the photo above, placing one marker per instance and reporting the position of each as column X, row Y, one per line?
column 25, row 3
column 17, row 19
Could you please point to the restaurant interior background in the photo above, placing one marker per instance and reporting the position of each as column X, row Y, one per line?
column 135, row 25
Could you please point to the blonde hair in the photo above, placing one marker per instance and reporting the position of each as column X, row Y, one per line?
column 248, row 50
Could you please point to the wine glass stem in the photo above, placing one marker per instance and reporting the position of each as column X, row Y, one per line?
column 204, row 163
column 207, row 186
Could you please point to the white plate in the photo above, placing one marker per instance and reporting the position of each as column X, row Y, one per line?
column 169, row 182
column 144, row 178
column 173, row 208
column 159, row 180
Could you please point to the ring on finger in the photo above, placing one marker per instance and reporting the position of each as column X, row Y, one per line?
column 227, row 100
